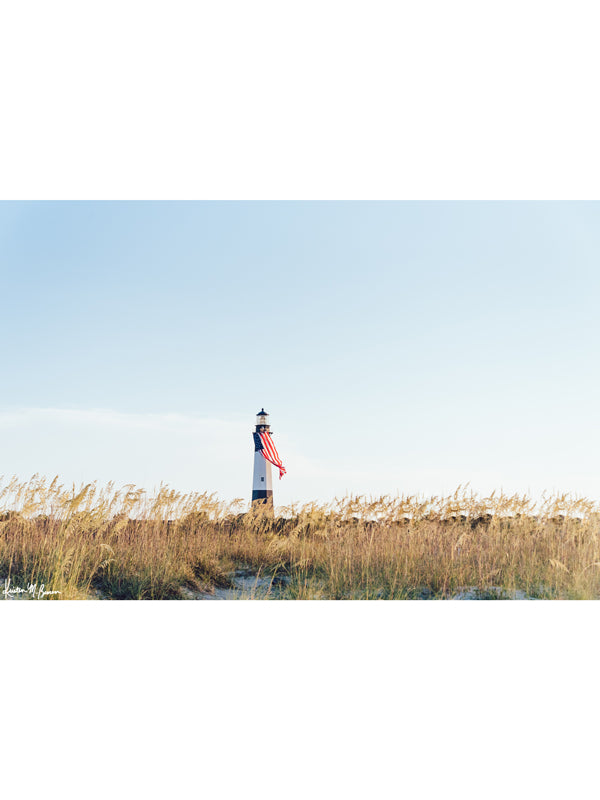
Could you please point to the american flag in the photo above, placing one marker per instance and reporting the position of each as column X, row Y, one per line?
column 265, row 444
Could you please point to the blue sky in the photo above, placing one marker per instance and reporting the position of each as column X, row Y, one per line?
column 397, row 346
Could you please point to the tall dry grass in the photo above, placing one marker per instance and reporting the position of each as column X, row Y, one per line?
column 92, row 541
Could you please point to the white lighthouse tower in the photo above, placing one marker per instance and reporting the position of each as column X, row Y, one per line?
column 262, row 483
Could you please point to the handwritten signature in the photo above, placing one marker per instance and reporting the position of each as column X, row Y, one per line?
column 31, row 590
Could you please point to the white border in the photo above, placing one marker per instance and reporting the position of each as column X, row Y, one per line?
column 317, row 100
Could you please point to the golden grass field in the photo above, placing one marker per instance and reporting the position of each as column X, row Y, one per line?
column 120, row 543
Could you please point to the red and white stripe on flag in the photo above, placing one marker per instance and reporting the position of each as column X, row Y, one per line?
column 269, row 451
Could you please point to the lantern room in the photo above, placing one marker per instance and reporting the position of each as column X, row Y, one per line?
column 262, row 420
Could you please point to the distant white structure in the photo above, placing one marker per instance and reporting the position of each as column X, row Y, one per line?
column 262, row 482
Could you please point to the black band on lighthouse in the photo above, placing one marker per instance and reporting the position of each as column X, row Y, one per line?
column 262, row 494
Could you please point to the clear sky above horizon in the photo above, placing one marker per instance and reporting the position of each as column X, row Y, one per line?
column 399, row 347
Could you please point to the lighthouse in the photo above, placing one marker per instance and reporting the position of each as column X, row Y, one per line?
column 262, row 482
column 265, row 454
